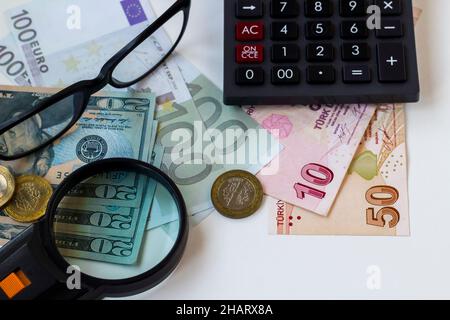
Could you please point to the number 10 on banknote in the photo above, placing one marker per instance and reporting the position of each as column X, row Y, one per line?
column 320, row 142
column 315, row 174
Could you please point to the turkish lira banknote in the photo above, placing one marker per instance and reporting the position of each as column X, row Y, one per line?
column 320, row 142
column 373, row 200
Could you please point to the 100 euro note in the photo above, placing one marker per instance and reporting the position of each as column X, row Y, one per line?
column 373, row 200
column 320, row 142
column 204, row 118
column 12, row 66
column 115, row 125
column 200, row 121
column 51, row 33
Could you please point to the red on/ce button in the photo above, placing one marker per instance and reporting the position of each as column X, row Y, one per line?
column 249, row 31
column 249, row 53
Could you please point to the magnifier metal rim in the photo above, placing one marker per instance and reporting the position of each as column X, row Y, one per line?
column 135, row 284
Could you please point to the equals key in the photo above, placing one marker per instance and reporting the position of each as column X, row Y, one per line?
column 357, row 74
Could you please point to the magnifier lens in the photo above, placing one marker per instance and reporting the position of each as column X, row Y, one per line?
column 116, row 225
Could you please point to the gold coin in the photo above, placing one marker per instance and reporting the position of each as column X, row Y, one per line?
column 237, row 194
column 7, row 186
column 30, row 199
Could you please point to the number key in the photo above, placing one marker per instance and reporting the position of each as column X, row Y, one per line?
column 354, row 29
column 317, row 52
column 319, row 30
column 249, row 76
column 284, row 8
column 353, row 8
column 284, row 31
column 285, row 75
column 285, row 53
column 318, row 8
column 355, row 51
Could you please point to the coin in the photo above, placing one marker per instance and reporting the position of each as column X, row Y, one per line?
column 30, row 199
column 7, row 186
column 237, row 194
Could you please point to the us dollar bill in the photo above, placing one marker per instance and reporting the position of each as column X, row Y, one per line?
column 110, row 242
column 113, row 125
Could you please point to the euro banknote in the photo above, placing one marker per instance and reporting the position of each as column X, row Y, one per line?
column 12, row 66
column 45, row 37
column 373, row 200
column 202, row 161
column 320, row 142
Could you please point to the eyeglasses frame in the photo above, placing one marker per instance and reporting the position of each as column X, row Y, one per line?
column 88, row 87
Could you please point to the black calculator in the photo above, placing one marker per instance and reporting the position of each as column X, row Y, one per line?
column 319, row 52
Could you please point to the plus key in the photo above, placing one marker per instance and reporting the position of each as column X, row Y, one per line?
column 391, row 62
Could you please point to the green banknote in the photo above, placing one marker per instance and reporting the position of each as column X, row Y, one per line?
column 113, row 125
column 110, row 242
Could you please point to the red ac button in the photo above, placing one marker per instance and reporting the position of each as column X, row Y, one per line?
column 249, row 31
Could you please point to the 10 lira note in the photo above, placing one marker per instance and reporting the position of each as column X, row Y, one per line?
column 320, row 142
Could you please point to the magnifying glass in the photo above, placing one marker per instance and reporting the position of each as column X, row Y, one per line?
column 93, row 241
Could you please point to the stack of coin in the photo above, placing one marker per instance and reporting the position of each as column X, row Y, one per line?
column 23, row 199
column 237, row 194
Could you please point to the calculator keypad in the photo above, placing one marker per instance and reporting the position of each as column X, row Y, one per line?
column 280, row 45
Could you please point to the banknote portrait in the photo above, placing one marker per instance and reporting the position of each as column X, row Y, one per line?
column 29, row 134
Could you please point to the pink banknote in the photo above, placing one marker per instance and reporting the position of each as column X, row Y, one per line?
column 320, row 142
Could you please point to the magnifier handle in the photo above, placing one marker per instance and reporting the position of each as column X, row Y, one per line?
column 23, row 272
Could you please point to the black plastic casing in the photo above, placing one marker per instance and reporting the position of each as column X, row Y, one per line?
column 304, row 93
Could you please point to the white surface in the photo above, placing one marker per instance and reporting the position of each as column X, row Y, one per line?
column 227, row 259
column 239, row 260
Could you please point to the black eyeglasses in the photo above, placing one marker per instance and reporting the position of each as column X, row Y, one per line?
column 69, row 104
